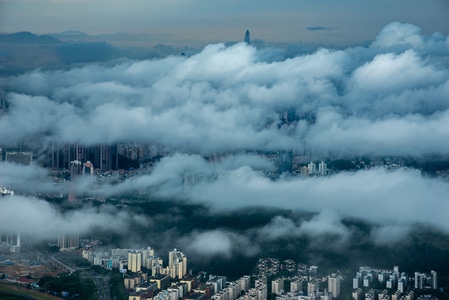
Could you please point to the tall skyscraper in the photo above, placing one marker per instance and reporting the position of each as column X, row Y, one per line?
column 247, row 37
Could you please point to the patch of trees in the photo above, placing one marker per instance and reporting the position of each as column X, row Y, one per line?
column 76, row 287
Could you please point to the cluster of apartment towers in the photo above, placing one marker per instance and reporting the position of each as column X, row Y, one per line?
column 396, row 283
column 183, row 285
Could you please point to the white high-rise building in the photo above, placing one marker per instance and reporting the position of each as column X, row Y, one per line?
column 333, row 285
column 147, row 257
column 322, row 168
column 296, row 286
column 418, row 281
column 434, row 278
column 312, row 168
column 277, row 286
column 10, row 239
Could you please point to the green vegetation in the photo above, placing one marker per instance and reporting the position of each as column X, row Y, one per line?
column 79, row 288
column 117, row 288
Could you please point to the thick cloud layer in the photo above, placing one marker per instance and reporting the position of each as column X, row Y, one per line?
column 387, row 98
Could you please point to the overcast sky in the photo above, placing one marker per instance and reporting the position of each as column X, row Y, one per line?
column 200, row 22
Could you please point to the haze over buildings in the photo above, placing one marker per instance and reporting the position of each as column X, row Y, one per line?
column 249, row 123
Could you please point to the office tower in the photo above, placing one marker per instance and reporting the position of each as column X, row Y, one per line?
column 24, row 158
column 68, row 241
column 177, row 264
column 247, row 37
column 134, row 261
column 334, row 285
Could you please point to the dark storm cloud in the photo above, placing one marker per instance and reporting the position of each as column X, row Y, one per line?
column 316, row 28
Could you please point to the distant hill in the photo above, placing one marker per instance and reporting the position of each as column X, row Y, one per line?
column 26, row 37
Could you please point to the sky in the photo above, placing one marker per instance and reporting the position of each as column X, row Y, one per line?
column 200, row 22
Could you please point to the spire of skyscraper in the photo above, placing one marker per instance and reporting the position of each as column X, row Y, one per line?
column 247, row 37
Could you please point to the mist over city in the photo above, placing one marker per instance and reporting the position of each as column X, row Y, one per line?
column 326, row 148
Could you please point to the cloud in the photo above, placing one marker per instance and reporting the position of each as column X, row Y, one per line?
column 228, row 98
column 317, row 28
column 389, row 98
column 220, row 243
column 399, row 34
column 39, row 219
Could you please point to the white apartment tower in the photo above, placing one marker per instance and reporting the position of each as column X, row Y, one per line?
column 177, row 264
column 434, row 278
column 333, row 285
column 134, row 261
column 277, row 286
column 322, row 168
column 312, row 168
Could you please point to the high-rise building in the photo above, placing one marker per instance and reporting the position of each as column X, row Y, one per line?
column 277, row 286
column 134, row 261
column 304, row 171
column 24, row 158
column 419, row 281
column 247, row 38
column 313, row 287
column 334, row 285
column 88, row 168
column 11, row 238
column 312, row 168
column 322, row 168
column 296, row 286
column 68, row 241
column 177, row 264
column 434, row 279
column 75, row 172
